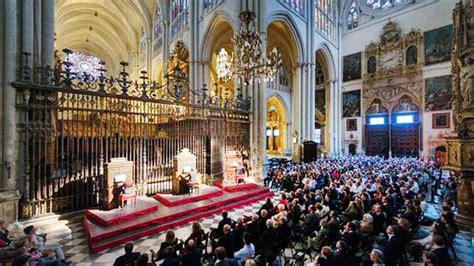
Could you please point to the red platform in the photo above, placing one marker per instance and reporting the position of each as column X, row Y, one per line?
column 144, row 205
column 102, row 237
column 205, row 192
column 232, row 187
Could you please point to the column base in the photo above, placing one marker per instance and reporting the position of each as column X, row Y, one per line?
column 9, row 205
column 465, row 223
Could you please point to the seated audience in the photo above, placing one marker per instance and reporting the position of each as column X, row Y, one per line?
column 247, row 251
column 128, row 257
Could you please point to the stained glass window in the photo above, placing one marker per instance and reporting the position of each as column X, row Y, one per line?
column 325, row 18
column 82, row 62
column 209, row 5
column 297, row 6
column 353, row 16
column 384, row 4
column 179, row 16
column 157, row 32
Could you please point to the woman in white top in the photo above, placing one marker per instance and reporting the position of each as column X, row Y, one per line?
column 247, row 251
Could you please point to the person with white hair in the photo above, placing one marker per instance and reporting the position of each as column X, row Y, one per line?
column 366, row 227
column 269, row 237
column 376, row 257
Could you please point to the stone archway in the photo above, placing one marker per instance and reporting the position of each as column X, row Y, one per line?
column 276, row 131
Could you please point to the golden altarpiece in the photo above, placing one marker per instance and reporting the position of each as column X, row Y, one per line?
column 392, row 82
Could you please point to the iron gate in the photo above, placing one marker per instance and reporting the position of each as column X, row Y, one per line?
column 71, row 124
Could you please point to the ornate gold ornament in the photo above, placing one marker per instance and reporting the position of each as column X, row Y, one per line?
column 395, row 55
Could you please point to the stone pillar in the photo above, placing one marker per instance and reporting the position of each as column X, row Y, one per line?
column 461, row 143
column 37, row 33
column 149, row 56
column 47, row 32
column 8, row 186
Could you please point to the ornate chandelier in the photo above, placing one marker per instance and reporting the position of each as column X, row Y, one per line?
column 249, row 63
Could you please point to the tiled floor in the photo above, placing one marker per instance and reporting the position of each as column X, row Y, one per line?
column 72, row 237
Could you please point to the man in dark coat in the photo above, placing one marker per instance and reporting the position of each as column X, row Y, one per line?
column 192, row 256
column 393, row 248
column 441, row 251
column 269, row 238
column 128, row 257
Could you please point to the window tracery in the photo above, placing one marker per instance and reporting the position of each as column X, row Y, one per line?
column 353, row 16
column 297, row 6
column 384, row 4
column 157, row 32
column 179, row 16
column 325, row 18
column 85, row 63
column 209, row 5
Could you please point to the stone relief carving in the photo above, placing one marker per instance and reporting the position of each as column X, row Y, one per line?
column 467, row 152
column 465, row 196
column 453, row 153
column 390, row 95
column 467, row 84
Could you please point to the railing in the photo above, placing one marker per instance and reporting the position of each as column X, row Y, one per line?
column 71, row 124
column 282, row 81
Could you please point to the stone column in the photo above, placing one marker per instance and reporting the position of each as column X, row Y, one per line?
column 149, row 56
column 37, row 33
column 8, row 190
column 461, row 143
column 27, row 18
column 297, row 111
column 47, row 32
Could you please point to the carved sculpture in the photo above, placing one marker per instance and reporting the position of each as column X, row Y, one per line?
column 461, row 144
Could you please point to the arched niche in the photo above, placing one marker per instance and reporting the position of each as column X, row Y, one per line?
column 276, row 132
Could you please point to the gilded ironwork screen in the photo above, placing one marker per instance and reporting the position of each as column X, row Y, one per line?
column 71, row 124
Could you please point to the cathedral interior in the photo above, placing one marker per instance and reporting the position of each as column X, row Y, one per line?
column 237, row 132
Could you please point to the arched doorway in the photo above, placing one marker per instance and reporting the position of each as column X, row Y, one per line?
column 352, row 149
column 440, row 155
column 322, row 102
column 275, row 126
column 377, row 129
column 405, row 128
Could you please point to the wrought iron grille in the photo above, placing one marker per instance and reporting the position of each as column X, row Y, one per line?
column 71, row 124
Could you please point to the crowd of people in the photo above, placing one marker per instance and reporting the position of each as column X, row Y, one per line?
column 29, row 248
column 351, row 210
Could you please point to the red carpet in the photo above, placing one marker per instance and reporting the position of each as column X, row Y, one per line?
column 102, row 237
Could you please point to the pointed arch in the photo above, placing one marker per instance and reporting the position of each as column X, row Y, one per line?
column 212, row 30
column 286, row 18
column 329, row 59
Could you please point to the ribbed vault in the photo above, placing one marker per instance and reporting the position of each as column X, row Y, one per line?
column 109, row 29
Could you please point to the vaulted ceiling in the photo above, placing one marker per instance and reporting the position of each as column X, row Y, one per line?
column 109, row 29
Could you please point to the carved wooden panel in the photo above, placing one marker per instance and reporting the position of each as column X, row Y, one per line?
column 405, row 140
column 377, row 137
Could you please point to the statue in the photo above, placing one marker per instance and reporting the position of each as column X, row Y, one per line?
column 467, row 86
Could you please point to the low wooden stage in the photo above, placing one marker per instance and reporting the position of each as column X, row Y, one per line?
column 107, row 229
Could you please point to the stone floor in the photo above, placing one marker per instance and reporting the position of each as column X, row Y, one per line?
column 73, row 239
